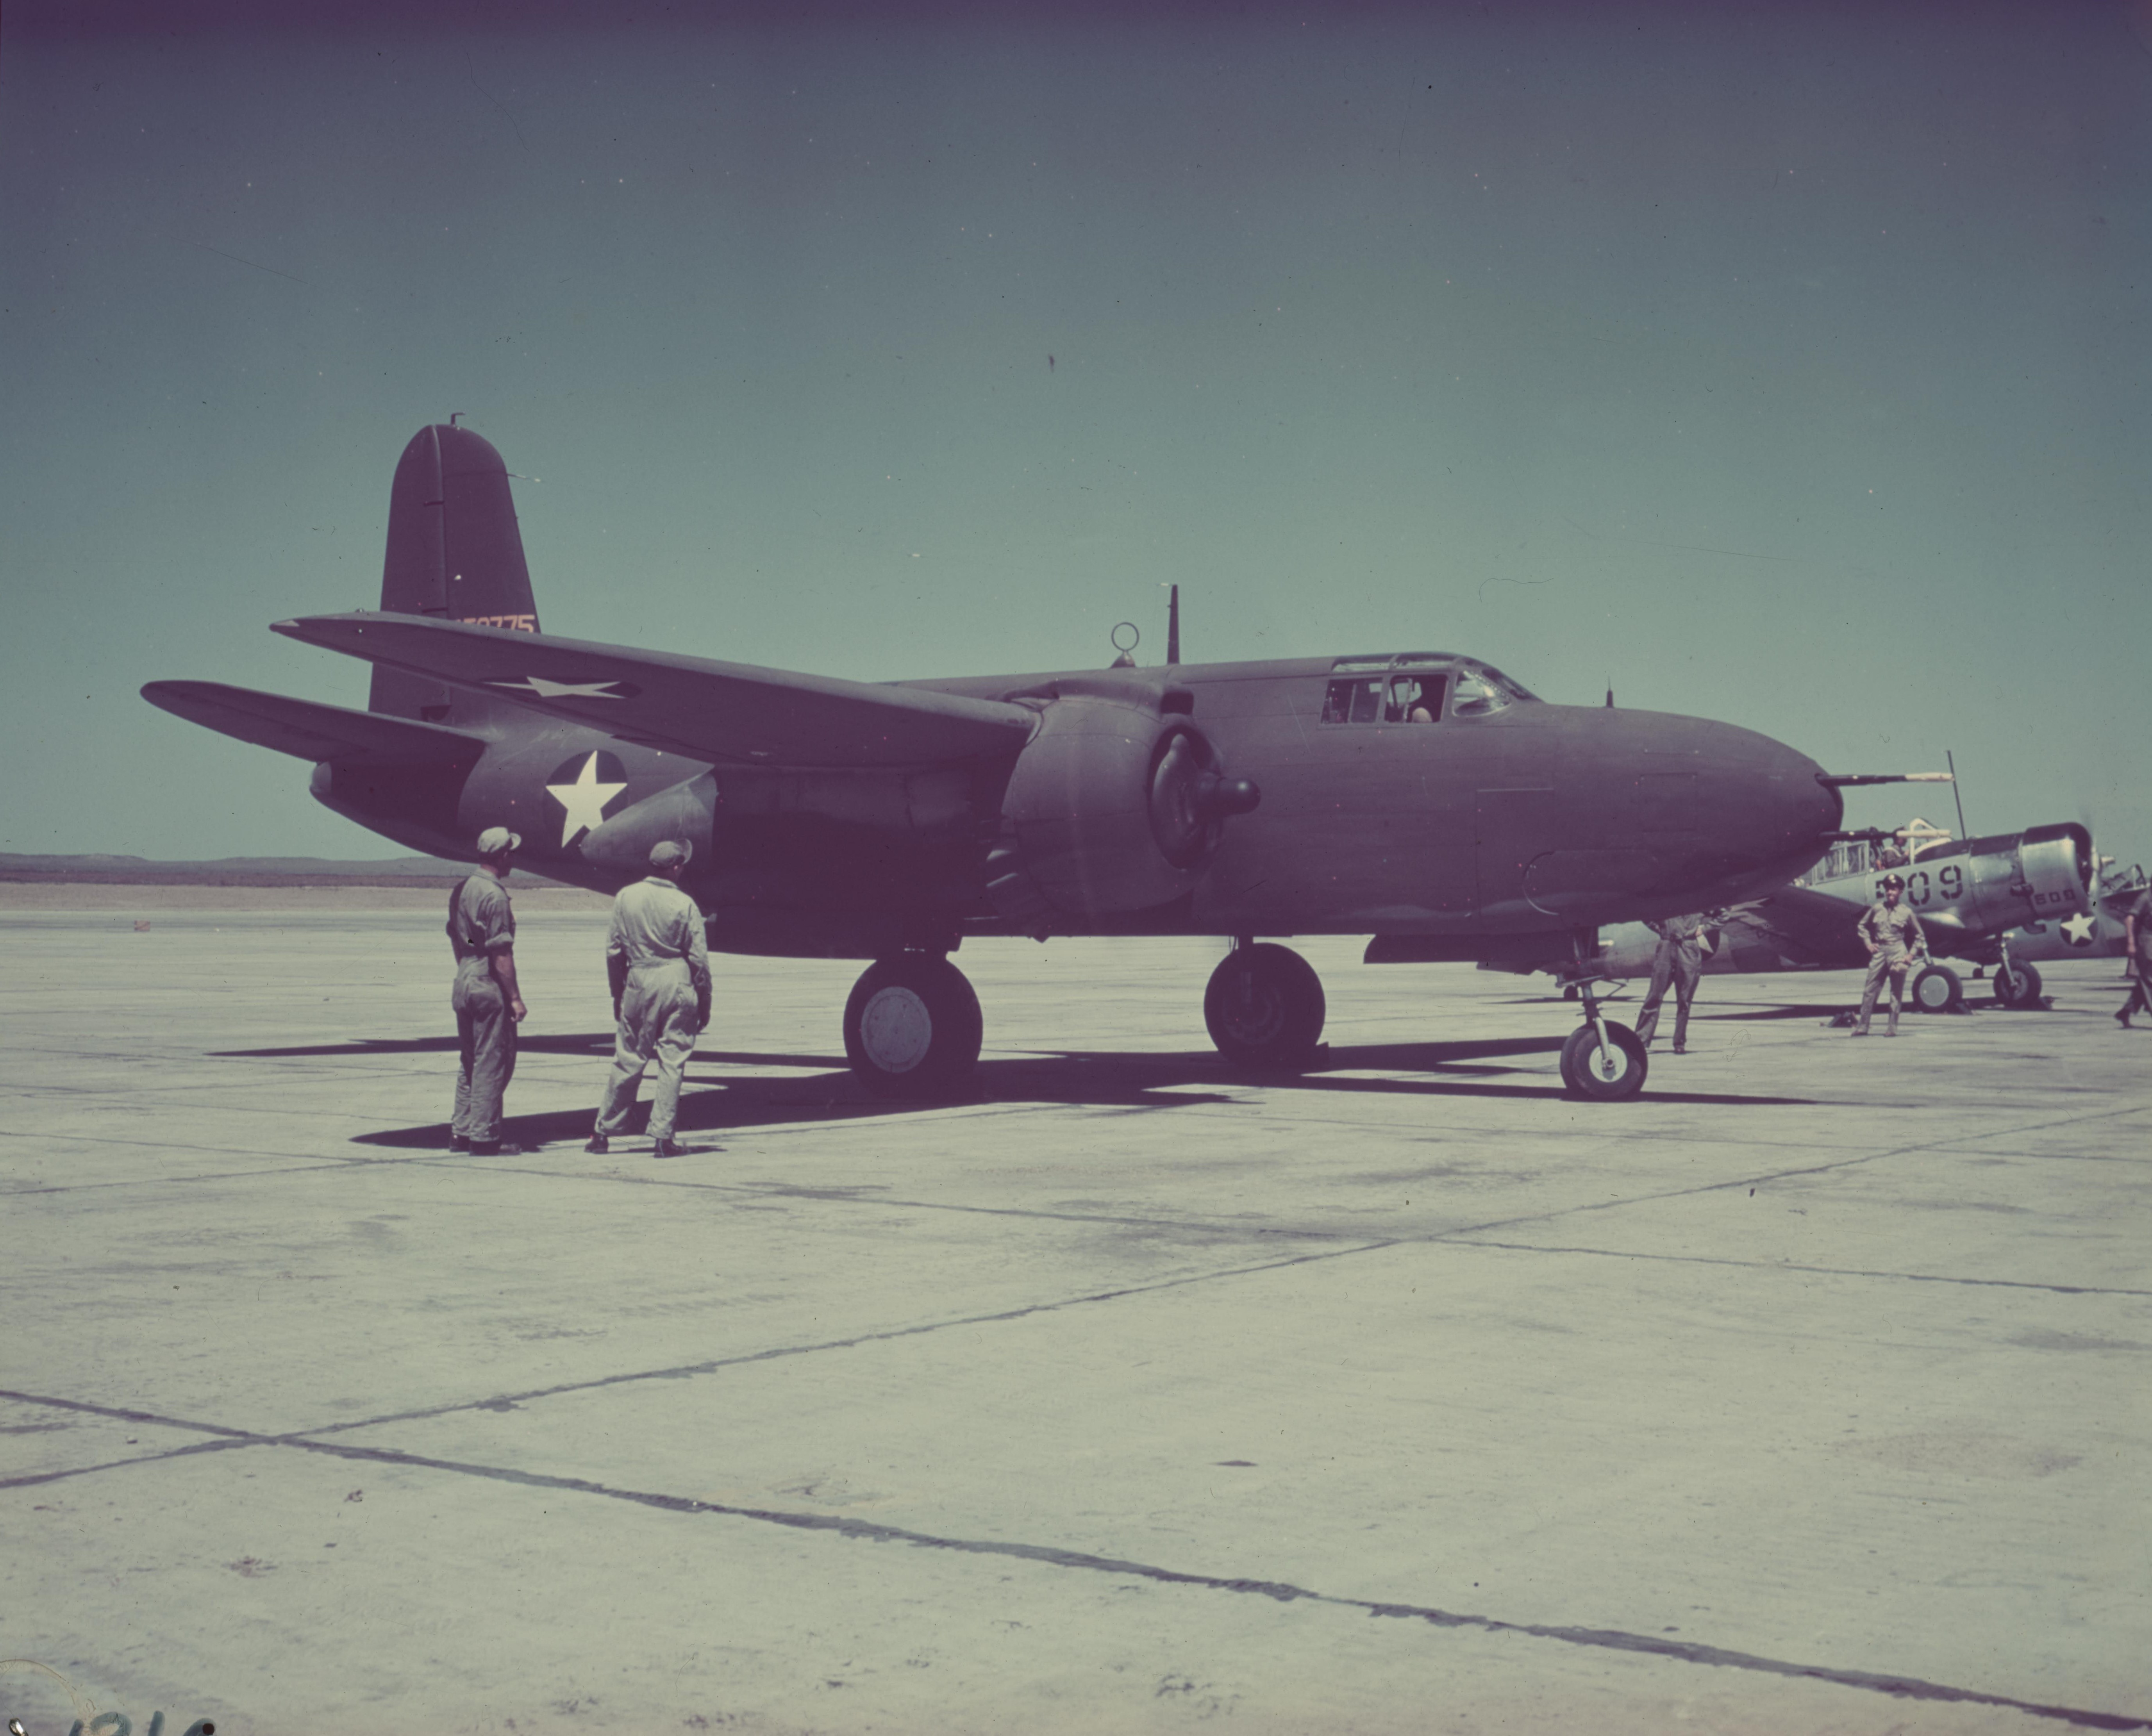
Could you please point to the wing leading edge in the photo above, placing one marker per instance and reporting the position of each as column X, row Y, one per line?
column 310, row 731
column 705, row 709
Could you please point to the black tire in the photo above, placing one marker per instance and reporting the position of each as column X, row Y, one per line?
column 912, row 1027
column 2018, row 986
column 1936, row 989
column 1585, row 1074
column 1265, row 1007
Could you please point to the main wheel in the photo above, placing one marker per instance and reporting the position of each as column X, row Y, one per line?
column 1265, row 1007
column 1606, row 1075
column 912, row 1027
column 1936, row 989
column 2018, row 986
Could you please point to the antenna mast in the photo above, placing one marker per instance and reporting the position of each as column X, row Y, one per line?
column 1172, row 626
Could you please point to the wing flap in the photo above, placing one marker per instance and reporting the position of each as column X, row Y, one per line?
column 697, row 706
column 309, row 731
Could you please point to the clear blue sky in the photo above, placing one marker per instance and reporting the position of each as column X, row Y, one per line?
column 1783, row 363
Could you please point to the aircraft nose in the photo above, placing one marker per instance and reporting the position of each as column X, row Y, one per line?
column 1761, row 813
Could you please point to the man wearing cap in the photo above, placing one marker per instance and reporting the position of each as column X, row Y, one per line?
column 1892, row 935
column 1677, row 964
column 658, row 963
column 482, row 932
column 2137, row 949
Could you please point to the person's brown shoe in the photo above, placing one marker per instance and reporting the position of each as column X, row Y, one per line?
column 598, row 1145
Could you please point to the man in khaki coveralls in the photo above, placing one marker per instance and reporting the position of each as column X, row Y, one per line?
column 2137, row 945
column 659, row 965
column 488, row 1003
column 1678, row 963
column 1892, row 935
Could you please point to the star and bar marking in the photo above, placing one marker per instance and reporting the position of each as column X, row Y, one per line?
column 539, row 688
column 585, row 799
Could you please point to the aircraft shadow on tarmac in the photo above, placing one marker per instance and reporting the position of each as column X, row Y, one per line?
column 1091, row 1078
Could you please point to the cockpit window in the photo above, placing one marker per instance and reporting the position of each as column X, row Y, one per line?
column 1393, row 699
column 1414, row 699
column 1475, row 696
column 1480, row 690
column 1407, row 686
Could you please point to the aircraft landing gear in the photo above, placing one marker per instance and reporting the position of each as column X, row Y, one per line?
column 912, row 1027
column 2017, row 986
column 1265, row 1007
column 1936, row 989
column 1602, row 1060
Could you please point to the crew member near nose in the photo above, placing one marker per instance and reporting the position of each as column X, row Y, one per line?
column 1679, row 962
column 1893, row 936
column 488, row 1003
column 659, row 966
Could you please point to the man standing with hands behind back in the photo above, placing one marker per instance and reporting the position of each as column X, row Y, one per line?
column 487, row 1000
column 658, row 963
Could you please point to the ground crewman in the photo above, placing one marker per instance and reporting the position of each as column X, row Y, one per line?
column 488, row 1003
column 659, row 964
column 1679, row 961
column 2137, row 944
column 1893, row 936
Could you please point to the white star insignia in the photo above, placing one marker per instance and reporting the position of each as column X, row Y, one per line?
column 541, row 689
column 585, row 799
column 2078, row 930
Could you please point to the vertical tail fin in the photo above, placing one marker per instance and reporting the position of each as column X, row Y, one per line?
column 454, row 553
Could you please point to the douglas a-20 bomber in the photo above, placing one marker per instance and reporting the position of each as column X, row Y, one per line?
column 1423, row 799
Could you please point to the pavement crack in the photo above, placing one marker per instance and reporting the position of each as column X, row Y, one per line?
column 775, row 1352
column 1897, row 1687
column 1468, row 1240
column 501, row 1401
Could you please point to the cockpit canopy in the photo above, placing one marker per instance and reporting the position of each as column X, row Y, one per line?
column 1417, row 687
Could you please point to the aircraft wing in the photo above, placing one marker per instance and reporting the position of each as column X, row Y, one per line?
column 1815, row 927
column 309, row 731
column 692, row 706
column 1818, row 927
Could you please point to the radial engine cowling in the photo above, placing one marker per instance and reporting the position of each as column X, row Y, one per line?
column 2054, row 871
column 1115, row 806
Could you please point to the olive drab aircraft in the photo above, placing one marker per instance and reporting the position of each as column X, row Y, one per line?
column 1423, row 799
column 2004, row 903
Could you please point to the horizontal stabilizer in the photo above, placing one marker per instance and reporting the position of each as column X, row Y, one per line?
column 706, row 710
column 308, row 731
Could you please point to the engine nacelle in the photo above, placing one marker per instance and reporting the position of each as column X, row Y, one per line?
column 1115, row 805
column 682, row 812
column 2055, row 871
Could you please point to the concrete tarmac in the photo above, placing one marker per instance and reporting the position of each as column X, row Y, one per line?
column 1807, row 1393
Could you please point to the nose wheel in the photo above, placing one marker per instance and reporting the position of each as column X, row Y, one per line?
column 1603, row 1061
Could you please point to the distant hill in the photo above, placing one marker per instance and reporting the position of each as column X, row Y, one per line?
column 235, row 871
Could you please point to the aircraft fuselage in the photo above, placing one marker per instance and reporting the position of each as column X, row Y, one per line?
column 1533, row 819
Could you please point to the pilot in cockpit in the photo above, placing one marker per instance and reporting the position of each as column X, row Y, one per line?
column 1408, row 702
